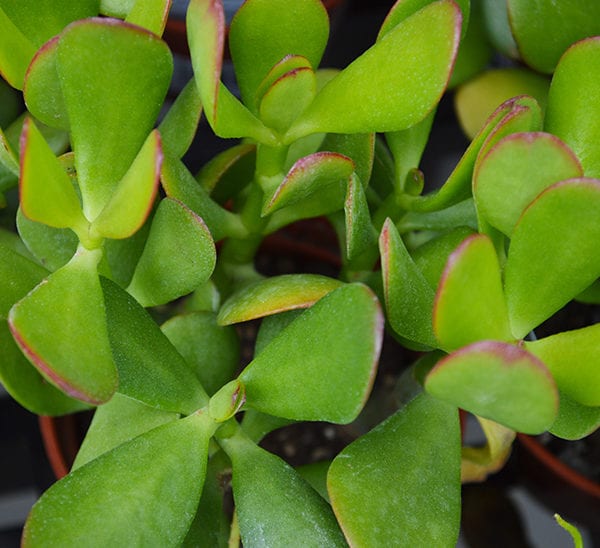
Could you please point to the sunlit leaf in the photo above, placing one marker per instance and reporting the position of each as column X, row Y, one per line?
column 150, row 14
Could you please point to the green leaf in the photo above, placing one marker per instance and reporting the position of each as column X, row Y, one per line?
column 150, row 14
column 16, row 52
column 160, row 275
column 47, row 194
column 408, row 296
column 573, row 102
column 210, row 350
column 52, row 247
column 69, row 302
column 273, row 503
column 8, row 158
column 359, row 147
column 132, row 200
column 179, row 125
column 477, row 99
column 574, row 421
column 497, row 381
column 105, row 67
column 180, row 184
column 360, row 233
column 379, row 90
column 287, row 98
column 515, row 171
column 469, row 303
column 301, row 29
column 42, row 90
column 571, row 529
column 566, row 22
column 573, row 361
column 287, row 64
column 205, row 23
column 321, row 366
column 399, row 485
column 498, row 27
column 145, row 491
column 150, row 368
column 308, row 176
column 18, row 276
column 544, row 272
column 274, row 295
column 23, row 382
column 517, row 114
column 116, row 422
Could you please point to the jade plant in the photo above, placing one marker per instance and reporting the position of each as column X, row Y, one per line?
column 126, row 278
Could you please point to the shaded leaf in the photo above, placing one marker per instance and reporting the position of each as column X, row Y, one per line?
column 544, row 272
column 154, row 479
column 409, row 466
column 574, row 421
column 497, row 381
column 360, row 233
column 160, row 276
column 359, row 147
column 150, row 368
column 321, row 366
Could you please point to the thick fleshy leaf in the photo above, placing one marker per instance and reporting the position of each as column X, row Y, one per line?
column 289, row 63
column 179, row 126
column 301, row 29
column 42, row 90
column 515, row 171
column 274, row 295
column 469, row 303
column 408, row 296
column 396, row 83
column 359, row 147
column 116, row 422
column 308, row 176
column 46, row 192
column 479, row 97
column 210, row 350
column 68, row 302
column 399, row 485
column 206, row 36
column 18, row 276
column 23, row 382
column 104, row 67
column 52, row 247
column 497, row 381
column 573, row 102
column 180, row 184
column 151, row 15
column 575, row 421
column 16, row 52
column 8, row 158
column 321, row 366
column 160, row 275
column 517, row 114
column 287, row 98
column 133, row 198
column 461, row 214
column 573, row 361
column 498, row 27
column 273, row 503
column 566, row 22
column 150, row 368
column 544, row 272
column 360, row 233
column 153, row 479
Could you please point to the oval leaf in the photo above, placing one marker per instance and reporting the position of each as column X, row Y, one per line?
column 154, row 479
column 408, row 467
column 544, row 272
column 321, row 366
column 497, row 381
column 575, row 421
column 379, row 90
column 469, row 303
column 68, row 302
column 160, row 276
column 273, row 503
column 573, row 102
column 515, row 171
column 274, row 295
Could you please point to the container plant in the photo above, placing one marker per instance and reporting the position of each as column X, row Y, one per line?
column 115, row 297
